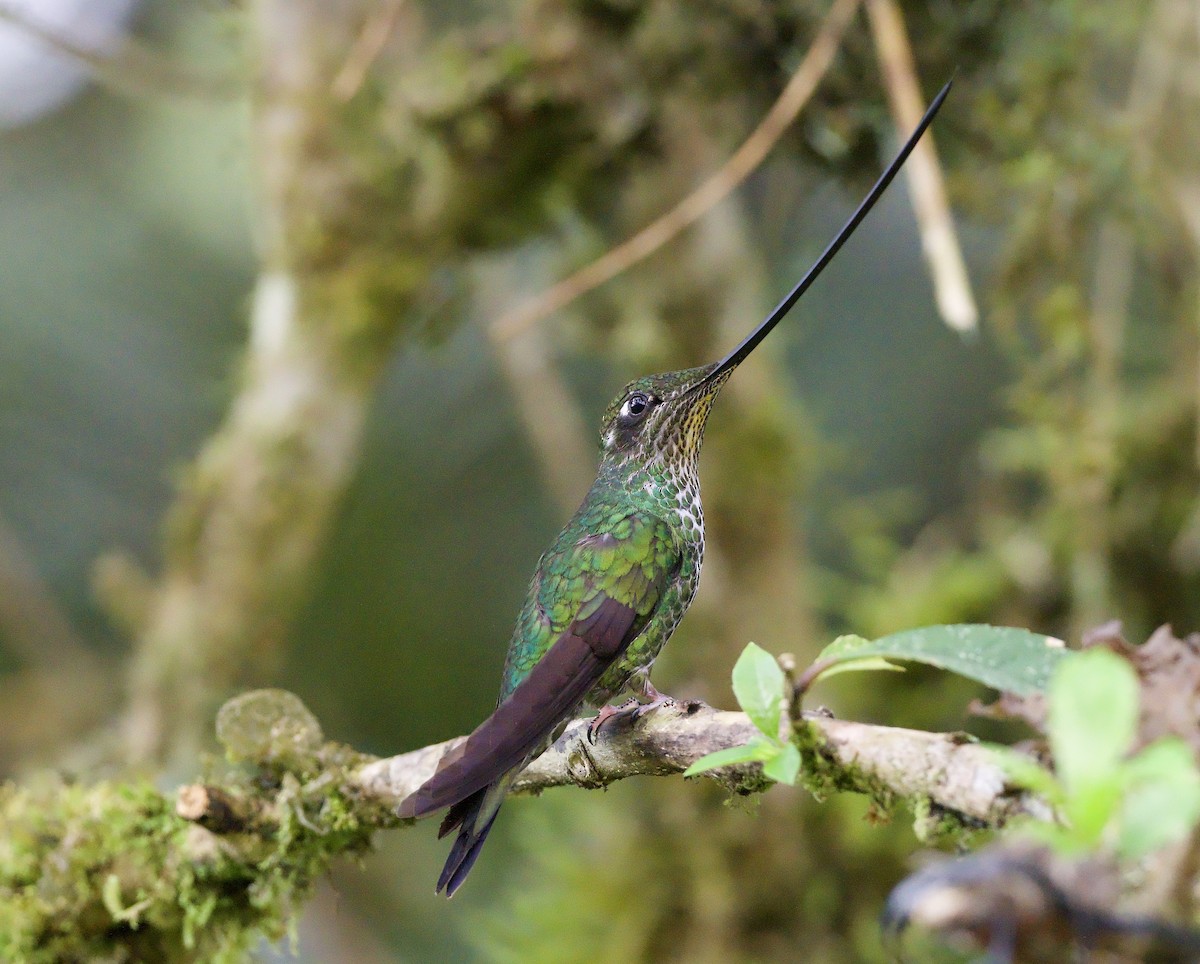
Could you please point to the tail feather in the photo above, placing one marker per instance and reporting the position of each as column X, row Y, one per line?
column 466, row 817
column 468, row 806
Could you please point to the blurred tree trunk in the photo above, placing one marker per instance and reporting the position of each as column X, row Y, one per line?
column 334, row 291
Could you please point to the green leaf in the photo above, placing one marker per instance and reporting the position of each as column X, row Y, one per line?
column 784, row 767
column 758, row 686
column 1027, row 773
column 757, row 751
column 1002, row 657
column 844, row 650
column 1089, row 807
column 1166, row 758
column 862, row 665
column 1091, row 723
column 1162, row 803
column 1092, row 719
column 843, row 647
column 1052, row 835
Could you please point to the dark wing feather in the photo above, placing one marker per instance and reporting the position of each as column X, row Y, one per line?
column 553, row 689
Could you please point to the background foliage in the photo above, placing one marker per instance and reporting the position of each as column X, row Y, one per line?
column 872, row 472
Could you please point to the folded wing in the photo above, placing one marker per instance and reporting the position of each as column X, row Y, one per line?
column 622, row 586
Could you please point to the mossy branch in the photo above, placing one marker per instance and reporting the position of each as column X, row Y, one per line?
column 273, row 729
column 90, row 871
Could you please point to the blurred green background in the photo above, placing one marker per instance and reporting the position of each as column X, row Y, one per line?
column 873, row 471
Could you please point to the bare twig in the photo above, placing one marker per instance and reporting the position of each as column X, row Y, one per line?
column 747, row 157
column 939, row 240
column 367, row 48
column 127, row 66
column 803, row 683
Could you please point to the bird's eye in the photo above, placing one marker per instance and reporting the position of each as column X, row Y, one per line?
column 635, row 405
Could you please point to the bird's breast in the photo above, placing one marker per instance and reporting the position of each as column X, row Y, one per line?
column 690, row 513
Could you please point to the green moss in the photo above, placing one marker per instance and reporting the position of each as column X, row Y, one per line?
column 110, row 872
column 822, row 776
column 270, row 727
column 743, row 780
column 936, row 825
column 94, row 873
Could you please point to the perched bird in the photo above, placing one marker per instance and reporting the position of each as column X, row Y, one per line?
column 608, row 594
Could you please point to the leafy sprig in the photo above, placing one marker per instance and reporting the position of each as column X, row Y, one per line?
column 1102, row 795
column 760, row 687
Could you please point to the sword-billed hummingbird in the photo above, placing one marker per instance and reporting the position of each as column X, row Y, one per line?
column 608, row 594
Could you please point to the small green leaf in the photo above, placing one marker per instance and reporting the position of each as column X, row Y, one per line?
column 756, row 751
column 758, row 686
column 1092, row 719
column 1090, row 806
column 1166, row 758
column 1162, row 803
column 784, row 767
column 1002, row 657
column 1157, row 814
column 1027, row 773
column 844, row 650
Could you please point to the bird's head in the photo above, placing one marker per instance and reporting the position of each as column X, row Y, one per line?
column 661, row 415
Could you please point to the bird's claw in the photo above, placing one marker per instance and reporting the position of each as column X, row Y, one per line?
column 630, row 709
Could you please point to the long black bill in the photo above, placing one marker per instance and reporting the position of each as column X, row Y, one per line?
column 750, row 342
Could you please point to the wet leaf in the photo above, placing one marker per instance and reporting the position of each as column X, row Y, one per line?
column 1006, row 658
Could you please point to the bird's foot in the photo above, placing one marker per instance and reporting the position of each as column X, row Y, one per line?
column 607, row 713
column 643, row 708
column 653, row 700
column 631, row 709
